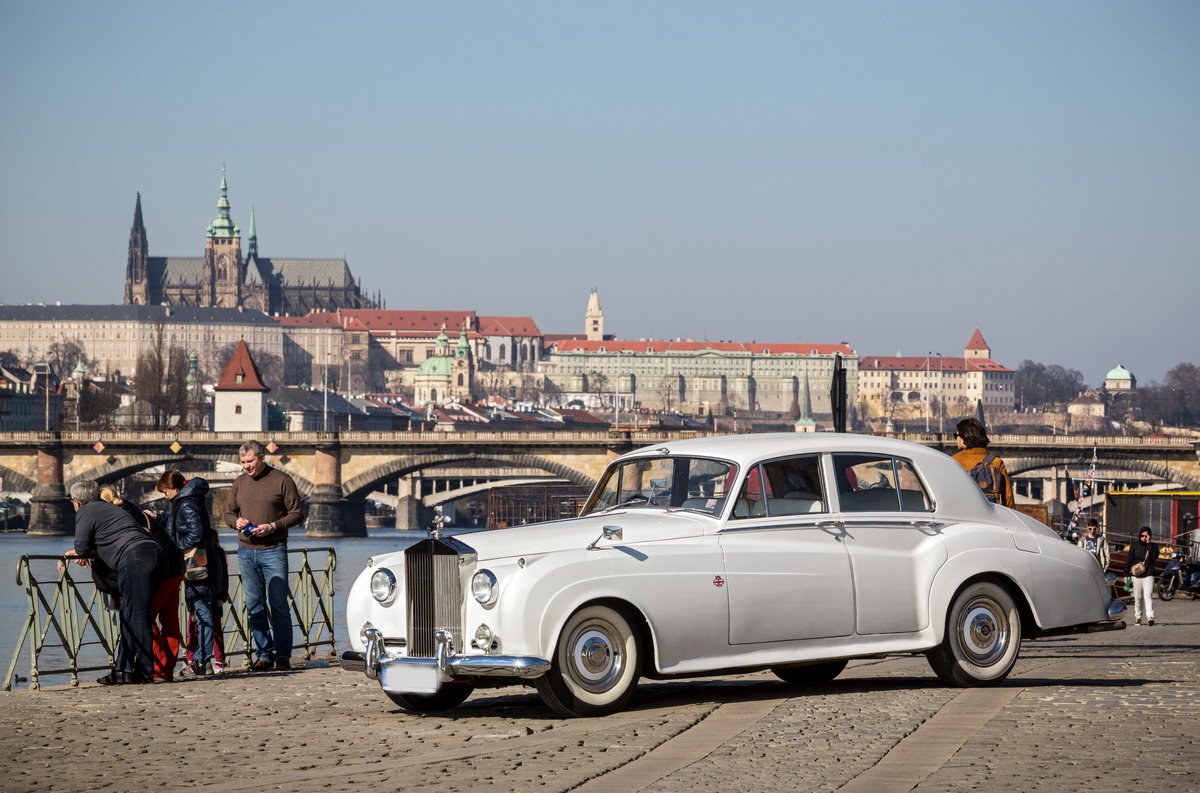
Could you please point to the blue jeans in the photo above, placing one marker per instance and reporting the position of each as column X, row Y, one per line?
column 202, row 608
column 265, row 582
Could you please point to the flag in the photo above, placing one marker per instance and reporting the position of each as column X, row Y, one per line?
column 1072, row 491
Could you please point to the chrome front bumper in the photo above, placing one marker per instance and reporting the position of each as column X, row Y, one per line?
column 403, row 675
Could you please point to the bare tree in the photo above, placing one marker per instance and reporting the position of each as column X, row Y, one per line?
column 1040, row 384
column 160, row 386
column 64, row 354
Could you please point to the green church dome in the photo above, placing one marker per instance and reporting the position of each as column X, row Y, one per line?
column 1119, row 373
column 436, row 365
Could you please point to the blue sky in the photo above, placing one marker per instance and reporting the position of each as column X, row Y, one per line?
column 888, row 174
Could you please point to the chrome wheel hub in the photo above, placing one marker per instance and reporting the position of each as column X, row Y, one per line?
column 983, row 632
column 595, row 659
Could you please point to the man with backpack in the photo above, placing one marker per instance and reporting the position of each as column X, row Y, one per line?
column 985, row 468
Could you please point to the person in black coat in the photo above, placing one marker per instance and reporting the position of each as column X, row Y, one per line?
column 1145, row 553
column 205, row 585
column 164, row 605
column 109, row 533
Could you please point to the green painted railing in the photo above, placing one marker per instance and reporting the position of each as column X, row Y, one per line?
column 69, row 629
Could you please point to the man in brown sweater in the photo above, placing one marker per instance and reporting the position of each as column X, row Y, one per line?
column 263, row 504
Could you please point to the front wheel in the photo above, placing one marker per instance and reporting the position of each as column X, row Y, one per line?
column 595, row 667
column 448, row 697
column 809, row 675
column 1167, row 587
column 983, row 636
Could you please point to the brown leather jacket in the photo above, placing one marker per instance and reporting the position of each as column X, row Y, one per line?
column 969, row 458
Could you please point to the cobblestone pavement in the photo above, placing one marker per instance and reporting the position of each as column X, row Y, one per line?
column 1110, row 711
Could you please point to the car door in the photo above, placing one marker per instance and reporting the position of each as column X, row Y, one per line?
column 787, row 573
column 894, row 543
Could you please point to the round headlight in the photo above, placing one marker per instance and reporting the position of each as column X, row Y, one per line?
column 483, row 587
column 383, row 586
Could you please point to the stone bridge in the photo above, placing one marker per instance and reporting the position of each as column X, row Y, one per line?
column 336, row 471
column 333, row 471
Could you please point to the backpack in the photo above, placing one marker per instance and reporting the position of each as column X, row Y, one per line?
column 987, row 478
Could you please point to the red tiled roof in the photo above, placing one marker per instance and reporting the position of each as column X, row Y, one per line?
column 317, row 319
column 934, row 363
column 241, row 373
column 393, row 319
column 977, row 342
column 653, row 346
column 508, row 326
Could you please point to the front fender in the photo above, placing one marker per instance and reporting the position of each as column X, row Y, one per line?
column 669, row 584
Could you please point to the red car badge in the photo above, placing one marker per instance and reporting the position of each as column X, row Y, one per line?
column 718, row 582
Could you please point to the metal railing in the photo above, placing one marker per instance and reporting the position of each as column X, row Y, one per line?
column 69, row 629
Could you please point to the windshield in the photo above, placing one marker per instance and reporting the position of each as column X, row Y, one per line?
column 684, row 482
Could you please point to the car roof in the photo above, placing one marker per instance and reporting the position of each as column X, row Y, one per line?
column 750, row 447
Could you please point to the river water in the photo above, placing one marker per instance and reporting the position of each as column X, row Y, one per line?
column 352, row 555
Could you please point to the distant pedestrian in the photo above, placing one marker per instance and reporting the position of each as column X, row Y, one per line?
column 188, row 525
column 263, row 504
column 165, row 634
column 109, row 533
column 1139, row 565
column 985, row 468
column 1094, row 542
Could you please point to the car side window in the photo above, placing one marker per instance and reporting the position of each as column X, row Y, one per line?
column 879, row 483
column 751, row 502
column 794, row 486
column 782, row 487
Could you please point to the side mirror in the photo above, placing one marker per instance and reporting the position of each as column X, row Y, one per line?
column 608, row 533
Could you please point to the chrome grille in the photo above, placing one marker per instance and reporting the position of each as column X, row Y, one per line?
column 433, row 590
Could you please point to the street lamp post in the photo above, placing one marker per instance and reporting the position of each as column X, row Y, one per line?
column 925, row 389
column 941, row 397
column 43, row 368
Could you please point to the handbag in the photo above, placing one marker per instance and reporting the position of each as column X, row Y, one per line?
column 1139, row 568
column 195, row 564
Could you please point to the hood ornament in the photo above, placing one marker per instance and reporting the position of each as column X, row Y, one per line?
column 438, row 523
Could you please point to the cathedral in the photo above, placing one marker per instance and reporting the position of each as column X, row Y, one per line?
column 227, row 277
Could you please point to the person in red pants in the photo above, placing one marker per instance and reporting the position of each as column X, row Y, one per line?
column 165, row 634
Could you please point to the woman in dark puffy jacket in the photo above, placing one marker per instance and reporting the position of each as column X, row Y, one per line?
column 188, row 526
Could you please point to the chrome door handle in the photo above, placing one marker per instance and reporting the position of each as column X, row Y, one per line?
column 836, row 526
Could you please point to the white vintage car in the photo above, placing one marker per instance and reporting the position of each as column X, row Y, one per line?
column 786, row 552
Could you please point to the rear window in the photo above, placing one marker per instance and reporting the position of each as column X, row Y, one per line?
column 879, row 483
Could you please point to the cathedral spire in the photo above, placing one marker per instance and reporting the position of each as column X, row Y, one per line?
column 137, row 214
column 223, row 226
column 252, row 249
column 137, row 279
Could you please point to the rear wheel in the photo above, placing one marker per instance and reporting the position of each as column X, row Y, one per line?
column 983, row 636
column 448, row 697
column 1167, row 587
column 809, row 675
column 595, row 666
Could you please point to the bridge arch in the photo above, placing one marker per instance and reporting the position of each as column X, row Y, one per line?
column 1026, row 463
column 366, row 482
column 127, row 465
column 15, row 482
